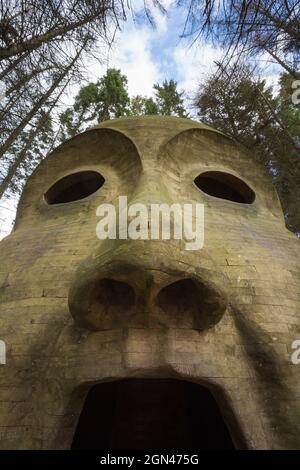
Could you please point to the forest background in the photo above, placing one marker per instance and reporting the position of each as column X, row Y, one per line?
column 67, row 64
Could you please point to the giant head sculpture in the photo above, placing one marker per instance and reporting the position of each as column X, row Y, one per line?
column 131, row 320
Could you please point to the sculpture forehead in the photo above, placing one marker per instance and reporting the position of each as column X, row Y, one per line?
column 123, row 149
column 144, row 139
column 141, row 129
column 159, row 136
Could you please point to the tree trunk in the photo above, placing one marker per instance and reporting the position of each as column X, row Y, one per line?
column 16, row 132
column 5, row 183
column 291, row 71
column 13, row 64
column 35, row 42
column 26, row 78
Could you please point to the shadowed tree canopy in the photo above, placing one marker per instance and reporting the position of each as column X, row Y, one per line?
column 43, row 45
column 267, row 124
column 108, row 98
column 26, row 26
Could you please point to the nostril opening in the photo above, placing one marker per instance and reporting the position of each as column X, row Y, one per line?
column 102, row 304
column 112, row 293
column 179, row 297
column 189, row 299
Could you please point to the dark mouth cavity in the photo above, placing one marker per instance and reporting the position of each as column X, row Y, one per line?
column 151, row 414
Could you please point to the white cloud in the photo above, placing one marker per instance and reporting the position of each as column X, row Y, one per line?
column 132, row 54
column 161, row 19
column 193, row 63
column 132, row 50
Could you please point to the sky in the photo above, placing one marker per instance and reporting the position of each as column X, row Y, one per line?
column 148, row 55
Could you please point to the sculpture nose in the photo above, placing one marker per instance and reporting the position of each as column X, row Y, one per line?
column 132, row 287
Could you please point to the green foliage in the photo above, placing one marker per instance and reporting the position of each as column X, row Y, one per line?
column 169, row 100
column 96, row 102
column 109, row 99
column 151, row 107
column 141, row 105
column 113, row 98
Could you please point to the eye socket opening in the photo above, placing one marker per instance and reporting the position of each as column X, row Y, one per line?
column 74, row 187
column 225, row 186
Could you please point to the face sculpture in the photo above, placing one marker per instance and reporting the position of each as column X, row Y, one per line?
column 77, row 311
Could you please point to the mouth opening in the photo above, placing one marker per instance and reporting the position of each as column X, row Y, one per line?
column 151, row 414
